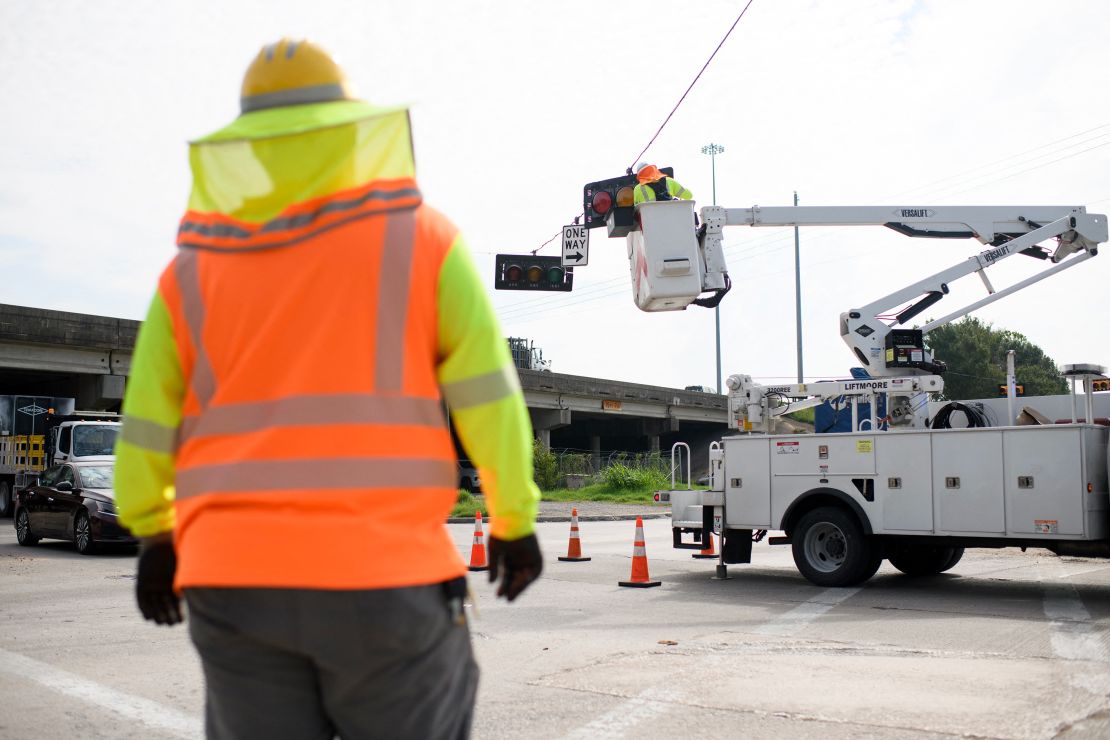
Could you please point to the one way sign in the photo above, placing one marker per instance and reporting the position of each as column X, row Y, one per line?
column 576, row 245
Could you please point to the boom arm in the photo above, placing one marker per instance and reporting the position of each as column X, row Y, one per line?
column 1008, row 230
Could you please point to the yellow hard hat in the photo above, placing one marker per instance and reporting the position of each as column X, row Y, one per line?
column 292, row 73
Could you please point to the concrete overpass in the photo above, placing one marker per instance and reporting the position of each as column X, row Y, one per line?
column 58, row 353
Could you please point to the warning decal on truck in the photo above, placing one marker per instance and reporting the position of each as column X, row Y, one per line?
column 1045, row 526
column 863, row 445
column 787, row 448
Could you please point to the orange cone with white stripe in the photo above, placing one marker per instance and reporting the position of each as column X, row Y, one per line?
column 478, row 549
column 708, row 552
column 640, row 577
column 574, row 548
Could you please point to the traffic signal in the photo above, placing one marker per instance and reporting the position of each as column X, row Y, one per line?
column 1019, row 390
column 610, row 202
column 531, row 272
column 1100, row 385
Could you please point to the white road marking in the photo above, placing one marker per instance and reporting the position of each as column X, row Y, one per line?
column 1073, row 635
column 150, row 713
column 798, row 618
column 657, row 700
column 614, row 724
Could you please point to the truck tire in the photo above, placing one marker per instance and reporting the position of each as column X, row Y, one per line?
column 925, row 560
column 957, row 555
column 830, row 548
column 5, row 499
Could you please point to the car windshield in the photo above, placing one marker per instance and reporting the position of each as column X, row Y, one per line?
column 92, row 439
column 96, row 476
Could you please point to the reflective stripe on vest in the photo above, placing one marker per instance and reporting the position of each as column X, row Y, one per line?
column 487, row 388
column 203, row 381
column 393, row 301
column 150, row 435
column 298, row 223
column 385, row 406
column 314, row 410
column 331, row 473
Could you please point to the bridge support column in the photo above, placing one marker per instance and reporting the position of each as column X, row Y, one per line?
column 544, row 420
column 653, row 428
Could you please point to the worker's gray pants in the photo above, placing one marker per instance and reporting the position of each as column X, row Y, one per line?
column 304, row 664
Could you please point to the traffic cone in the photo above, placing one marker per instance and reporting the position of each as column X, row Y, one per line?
column 640, row 578
column 478, row 549
column 708, row 552
column 574, row 547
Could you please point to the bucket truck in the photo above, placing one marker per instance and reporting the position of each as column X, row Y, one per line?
column 894, row 488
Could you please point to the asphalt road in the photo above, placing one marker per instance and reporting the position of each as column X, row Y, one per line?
column 1007, row 645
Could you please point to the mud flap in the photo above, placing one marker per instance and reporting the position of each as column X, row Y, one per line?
column 736, row 545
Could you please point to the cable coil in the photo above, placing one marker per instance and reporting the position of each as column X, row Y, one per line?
column 975, row 413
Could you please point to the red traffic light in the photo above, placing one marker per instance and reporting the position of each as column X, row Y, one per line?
column 513, row 272
column 602, row 202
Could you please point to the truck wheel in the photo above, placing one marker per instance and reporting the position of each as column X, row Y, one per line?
column 23, row 530
column 5, row 499
column 925, row 560
column 957, row 555
column 830, row 548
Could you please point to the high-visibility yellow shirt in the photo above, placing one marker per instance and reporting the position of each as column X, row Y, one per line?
column 644, row 192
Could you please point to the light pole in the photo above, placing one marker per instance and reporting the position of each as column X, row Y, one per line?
column 713, row 150
column 798, row 292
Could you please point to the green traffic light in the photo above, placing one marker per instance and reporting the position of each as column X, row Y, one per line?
column 555, row 275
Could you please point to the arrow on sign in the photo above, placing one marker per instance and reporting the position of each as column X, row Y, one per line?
column 577, row 257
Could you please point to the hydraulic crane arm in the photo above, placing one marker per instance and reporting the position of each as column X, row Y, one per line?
column 1008, row 230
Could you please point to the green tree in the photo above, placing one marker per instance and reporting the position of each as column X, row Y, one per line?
column 976, row 356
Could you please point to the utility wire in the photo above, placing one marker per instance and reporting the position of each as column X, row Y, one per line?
column 754, row 248
column 669, row 115
column 691, row 87
column 1004, row 160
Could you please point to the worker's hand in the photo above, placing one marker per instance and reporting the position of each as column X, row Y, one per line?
column 519, row 560
column 154, row 583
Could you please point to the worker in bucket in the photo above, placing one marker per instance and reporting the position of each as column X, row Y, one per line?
column 654, row 185
column 285, row 458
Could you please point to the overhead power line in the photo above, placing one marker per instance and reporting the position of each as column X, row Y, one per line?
column 691, row 87
column 760, row 246
column 673, row 110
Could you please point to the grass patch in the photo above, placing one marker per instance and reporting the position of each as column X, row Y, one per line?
column 466, row 504
column 805, row 415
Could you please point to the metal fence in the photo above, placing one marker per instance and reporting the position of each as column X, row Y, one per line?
column 583, row 463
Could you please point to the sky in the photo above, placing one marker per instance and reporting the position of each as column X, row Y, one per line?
column 516, row 105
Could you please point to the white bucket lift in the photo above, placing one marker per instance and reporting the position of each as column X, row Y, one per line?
column 663, row 256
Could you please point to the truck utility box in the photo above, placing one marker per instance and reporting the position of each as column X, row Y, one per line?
column 1035, row 486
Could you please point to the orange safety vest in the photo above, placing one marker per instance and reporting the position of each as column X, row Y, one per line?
column 314, row 450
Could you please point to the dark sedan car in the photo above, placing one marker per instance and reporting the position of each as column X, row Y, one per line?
column 72, row 501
